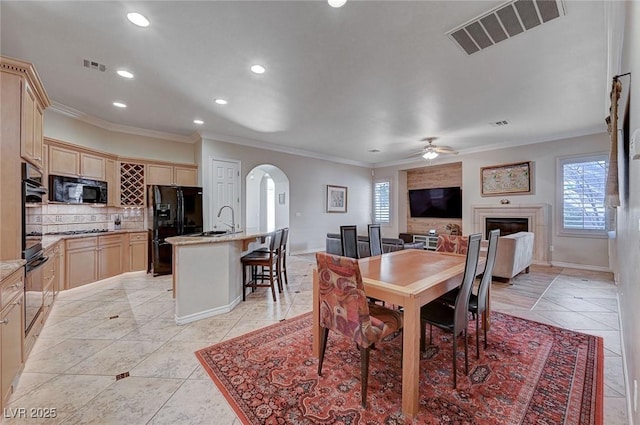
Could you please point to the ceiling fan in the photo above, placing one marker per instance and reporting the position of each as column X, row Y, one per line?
column 432, row 151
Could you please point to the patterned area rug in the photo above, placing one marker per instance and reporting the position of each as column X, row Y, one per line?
column 531, row 373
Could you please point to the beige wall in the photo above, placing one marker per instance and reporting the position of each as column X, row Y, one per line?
column 67, row 129
column 628, row 234
column 581, row 252
column 308, row 177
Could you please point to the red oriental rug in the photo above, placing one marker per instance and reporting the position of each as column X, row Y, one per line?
column 531, row 373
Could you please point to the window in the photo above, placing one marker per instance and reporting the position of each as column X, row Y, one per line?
column 381, row 201
column 581, row 197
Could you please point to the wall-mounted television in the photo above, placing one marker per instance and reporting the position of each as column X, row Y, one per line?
column 441, row 202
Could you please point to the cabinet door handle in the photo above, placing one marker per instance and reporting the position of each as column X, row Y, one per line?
column 4, row 322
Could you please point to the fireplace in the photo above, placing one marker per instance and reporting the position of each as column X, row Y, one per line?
column 537, row 217
column 507, row 225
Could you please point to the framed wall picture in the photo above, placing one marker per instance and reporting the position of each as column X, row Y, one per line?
column 507, row 179
column 336, row 199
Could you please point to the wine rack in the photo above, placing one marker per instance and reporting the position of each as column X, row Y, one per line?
column 131, row 184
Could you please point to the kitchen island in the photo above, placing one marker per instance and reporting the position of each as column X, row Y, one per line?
column 207, row 273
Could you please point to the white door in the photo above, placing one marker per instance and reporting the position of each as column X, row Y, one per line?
column 225, row 184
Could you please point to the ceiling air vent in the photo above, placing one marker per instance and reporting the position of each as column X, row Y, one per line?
column 504, row 22
column 499, row 123
column 94, row 65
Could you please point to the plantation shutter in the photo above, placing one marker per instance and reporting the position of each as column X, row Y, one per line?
column 381, row 200
column 583, row 191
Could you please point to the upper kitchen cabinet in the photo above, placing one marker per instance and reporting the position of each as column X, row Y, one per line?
column 171, row 174
column 22, row 100
column 70, row 160
column 30, row 99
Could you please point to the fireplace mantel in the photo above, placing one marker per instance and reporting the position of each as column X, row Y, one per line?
column 539, row 223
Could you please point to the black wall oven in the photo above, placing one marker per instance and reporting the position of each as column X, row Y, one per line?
column 33, row 194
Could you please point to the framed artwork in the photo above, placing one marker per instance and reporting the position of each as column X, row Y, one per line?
column 336, row 199
column 507, row 179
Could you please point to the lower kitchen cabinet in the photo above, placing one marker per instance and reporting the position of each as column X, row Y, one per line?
column 94, row 258
column 11, row 330
column 138, row 251
column 82, row 261
column 110, row 249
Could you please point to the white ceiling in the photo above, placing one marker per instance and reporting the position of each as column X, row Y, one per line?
column 339, row 82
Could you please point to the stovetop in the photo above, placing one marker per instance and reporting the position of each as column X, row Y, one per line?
column 79, row 232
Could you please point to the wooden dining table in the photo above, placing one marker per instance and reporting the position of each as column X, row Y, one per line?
column 409, row 278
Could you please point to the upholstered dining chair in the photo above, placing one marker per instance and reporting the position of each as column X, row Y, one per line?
column 452, row 243
column 375, row 239
column 454, row 319
column 478, row 303
column 344, row 309
column 349, row 241
column 268, row 261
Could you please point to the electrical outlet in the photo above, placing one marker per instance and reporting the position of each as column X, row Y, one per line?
column 550, row 248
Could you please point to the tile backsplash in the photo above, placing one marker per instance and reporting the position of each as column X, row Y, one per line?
column 64, row 218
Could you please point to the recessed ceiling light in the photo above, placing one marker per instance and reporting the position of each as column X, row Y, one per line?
column 119, row 104
column 124, row 74
column 336, row 3
column 221, row 101
column 258, row 69
column 138, row 19
column 199, row 122
column 374, row 150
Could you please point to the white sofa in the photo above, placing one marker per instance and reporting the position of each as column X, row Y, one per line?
column 515, row 253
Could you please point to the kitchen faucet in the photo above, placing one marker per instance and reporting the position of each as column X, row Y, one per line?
column 233, row 220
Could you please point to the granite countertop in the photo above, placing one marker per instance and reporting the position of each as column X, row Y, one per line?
column 9, row 266
column 49, row 240
column 230, row 237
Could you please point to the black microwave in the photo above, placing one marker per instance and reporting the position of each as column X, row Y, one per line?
column 73, row 190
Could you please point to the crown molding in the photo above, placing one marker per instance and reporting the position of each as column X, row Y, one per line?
column 495, row 146
column 98, row 122
column 280, row 148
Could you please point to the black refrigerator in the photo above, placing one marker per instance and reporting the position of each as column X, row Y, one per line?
column 172, row 211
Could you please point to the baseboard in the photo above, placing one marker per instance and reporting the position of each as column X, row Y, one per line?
column 580, row 266
column 183, row 320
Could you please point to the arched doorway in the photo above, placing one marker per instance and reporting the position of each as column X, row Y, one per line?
column 267, row 198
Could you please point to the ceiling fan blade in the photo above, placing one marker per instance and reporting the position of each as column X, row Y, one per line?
column 445, row 149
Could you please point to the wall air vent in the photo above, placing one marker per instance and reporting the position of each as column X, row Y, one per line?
column 94, row 65
column 504, row 22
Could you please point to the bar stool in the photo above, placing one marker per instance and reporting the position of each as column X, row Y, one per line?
column 268, row 262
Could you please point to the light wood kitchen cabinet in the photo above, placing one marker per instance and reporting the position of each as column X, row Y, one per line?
column 66, row 160
column 60, row 267
column 19, row 81
column 110, row 258
column 29, row 100
column 32, row 115
column 138, row 252
column 92, row 166
column 185, row 176
column 63, row 161
column 11, row 331
column 81, row 261
column 112, row 179
column 93, row 258
column 171, row 174
column 159, row 174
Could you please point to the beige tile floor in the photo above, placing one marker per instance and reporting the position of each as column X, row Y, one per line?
column 72, row 367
